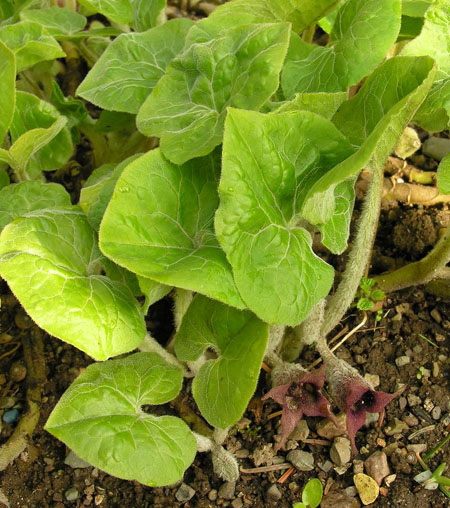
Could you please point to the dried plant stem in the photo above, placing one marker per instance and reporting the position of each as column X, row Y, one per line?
column 430, row 267
column 359, row 253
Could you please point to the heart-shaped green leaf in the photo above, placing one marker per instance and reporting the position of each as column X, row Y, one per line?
column 56, row 20
column 159, row 224
column 100, row 417
column 224, row 386
column 239, row 68
column 269, row 163
column 7, row 89
column 51, row 262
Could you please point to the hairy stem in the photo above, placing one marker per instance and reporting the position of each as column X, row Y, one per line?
column 432, row 266
column 151, row 345
column 359, row 254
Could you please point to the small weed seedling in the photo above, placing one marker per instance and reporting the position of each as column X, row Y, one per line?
column 311, row 495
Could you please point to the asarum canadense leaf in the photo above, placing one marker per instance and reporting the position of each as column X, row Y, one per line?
column 324, row 104
column 269, row 163
column 56, row 20
column 443, row 175
column 30, row 43
column 100, row 417
column 187, row 107
column 159, row 224
column 130, row 67
column 52, row 264
column 7, row 89
column 362, row 34
column 148, row 14
column 18, row 199
column 118, row 11
column 224, row 385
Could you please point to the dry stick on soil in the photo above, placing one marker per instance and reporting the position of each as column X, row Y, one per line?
column 34, row 358
column 432, row 266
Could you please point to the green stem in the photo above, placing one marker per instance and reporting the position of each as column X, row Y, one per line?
column 308, row 33
column 433, row 452
column 432, row 266
column 359, row 254
column 151, row 345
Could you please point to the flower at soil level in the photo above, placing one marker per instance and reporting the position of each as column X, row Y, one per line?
column 301, row 396
column 354, row 395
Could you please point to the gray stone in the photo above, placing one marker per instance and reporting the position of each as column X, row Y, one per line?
column 436, row 413
column 436, row 147
column 273, row 493
column 372, row 418
column 325, row 466
column 227, row 489
column 413, row 400
column 351, row 491
column 372, row 379
column 411, row 420
column 402, row 403
column 396, row 427
column 389, row 480
column 341, row 451
column 435, row 369
column 377, row 466
column 74, row 461
column 71, row 494
column 401, row 361
column 358, row 466
column 303, row 461
column 419, row 447
column 243, row 453
column 328, row 430
column 338, row 499
column 184, row 493
column 300, row 432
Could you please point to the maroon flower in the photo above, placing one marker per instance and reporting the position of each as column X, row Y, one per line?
column 354, row 395
column 298, row 397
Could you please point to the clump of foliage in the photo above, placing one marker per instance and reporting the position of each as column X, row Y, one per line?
column 220, row 146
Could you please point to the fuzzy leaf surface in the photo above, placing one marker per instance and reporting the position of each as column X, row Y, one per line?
column 18, row 199
column 224, row 386
column 363, row 33
column 443, row 175
column 324, row 104
column 129, row 69
column 148, row 14
column 159, row 224
column 269, row 163
column 239, row 68
column 7, row 89
column 100, row 417
column 56, row 20
column 30, row 44
column 51, row 262
column 118, row 11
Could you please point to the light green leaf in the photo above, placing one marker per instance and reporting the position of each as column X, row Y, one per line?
column 443, row 175
column 4, row 178
column 312, row 493
column 415, row 8
column 33, row 113
column 153, row 291
column 131, row 66
column 148, row 14
column 51, row 262
column 269, row 163
column 6, row 9
column 363, row 33
column 324, row 104
column 117, row 11
column 73, row 109
column 159, row 224
column 18, row 199
column 242, row 12
column 98, row 189
column 410, row 28
column 327, row 22
column 187, row 108
column 336, row 230
column 100, row 417
column 7, row 89
column 56, row 20
column 376, row 117
column 434, row 41
column 30, row 43
column 224, row 386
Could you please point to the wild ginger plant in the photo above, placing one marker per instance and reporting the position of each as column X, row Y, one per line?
column 262, row 135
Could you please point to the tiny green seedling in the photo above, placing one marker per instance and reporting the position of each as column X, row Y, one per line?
column 311, row 495
column 367, row 296
column 421, row 372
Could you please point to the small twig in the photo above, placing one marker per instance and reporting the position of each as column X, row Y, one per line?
column 426, row 339
column 11, row 351
column 339, row 344
column 338, row 335
column 265, row 367
column 286, row 475
column 274, row 415
column 318, row 442
column 421, row 431
column 266, row 469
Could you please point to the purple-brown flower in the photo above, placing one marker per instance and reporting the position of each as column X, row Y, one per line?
column 354, row 395
column 301, row 396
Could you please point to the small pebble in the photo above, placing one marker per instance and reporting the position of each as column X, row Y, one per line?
column 401, row 361
column 341, row 451
column 436, row 147
column 428, row 405
column 410, row 420
column 328, row 430
column 358, row 466
column 212, row 495
column 413, row 400
column 377, row 466
column 273, row 493
column 303, row 461
column 351, row 491
column 71, row 494
column 372, row 418
column 435, row 314
column 396, row 427
column 435, row 369
column 436, row 413
column 372, row 379
column 184, row 493
column 74, row 461
column 226, row 490
column 17, row 372
column 417, row 349
column 325, row 466
column 243, row 453
column 402, row 403
column 237, row 503
column 389, row 480
column 419, row 447
column 367, row 488
column 11, row 415
column 300, row 432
